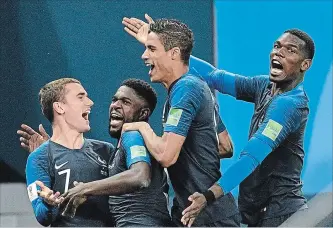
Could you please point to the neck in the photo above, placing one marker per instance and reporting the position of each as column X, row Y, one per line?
column 67, row 137
column 175, row 74
column 283, row 87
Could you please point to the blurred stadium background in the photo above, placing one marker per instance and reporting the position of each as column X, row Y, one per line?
column 44, row 40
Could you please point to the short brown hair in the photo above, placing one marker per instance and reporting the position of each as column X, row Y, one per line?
column 53, row 92
column 173, row 33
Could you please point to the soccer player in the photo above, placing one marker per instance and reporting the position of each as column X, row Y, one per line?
column 139, row 30
column 59, row 161
column 136, row 181
column 189, row 145
column 270, row 165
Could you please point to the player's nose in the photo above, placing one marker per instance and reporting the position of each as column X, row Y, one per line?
column 144, row 55
column 90, row 102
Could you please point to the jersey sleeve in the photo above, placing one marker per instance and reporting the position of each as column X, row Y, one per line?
column 240, row 87
column 282, row 118
column 185, row 101
column 220, row 127
column 221, row 80
column 135, row 149
column 248, row 88
column 37, row 168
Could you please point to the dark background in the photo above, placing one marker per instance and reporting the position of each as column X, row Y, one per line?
column 45, row 40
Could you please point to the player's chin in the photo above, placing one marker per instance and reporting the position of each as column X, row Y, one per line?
column 155, row 78
column 86, row 128
column 114, row 132
column 152, row 79
column 276, row 78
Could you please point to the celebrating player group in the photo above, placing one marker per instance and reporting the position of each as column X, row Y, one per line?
column 76, row 181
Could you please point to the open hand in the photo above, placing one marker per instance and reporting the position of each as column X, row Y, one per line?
column 30, row 139
column 137, row 28
column 47, row 195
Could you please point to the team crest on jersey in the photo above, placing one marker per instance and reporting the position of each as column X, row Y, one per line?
column 32, row 191
column 272, row 129
column 138, row 151
column 174, row 116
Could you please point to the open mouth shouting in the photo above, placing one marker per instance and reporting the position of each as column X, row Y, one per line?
column 116, row 119
column 152, row 66
column 276, row 68
column 85, row 115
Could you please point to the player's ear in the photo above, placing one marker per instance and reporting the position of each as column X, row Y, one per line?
column 57, row 106
column 175, row 53
column 144, row 114
column 306, row 64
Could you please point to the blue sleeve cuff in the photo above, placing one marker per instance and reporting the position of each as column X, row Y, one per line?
column 135, row 148
column 220, row 125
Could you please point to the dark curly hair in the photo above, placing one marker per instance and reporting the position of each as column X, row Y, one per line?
column 143, row 90
column 309, row 47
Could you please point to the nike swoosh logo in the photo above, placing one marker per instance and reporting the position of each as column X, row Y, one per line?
column 59, row 166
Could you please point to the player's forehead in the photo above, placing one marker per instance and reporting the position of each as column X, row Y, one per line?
column 291, row 40
column 125, row 92
column 153, row 39
column 74, row 89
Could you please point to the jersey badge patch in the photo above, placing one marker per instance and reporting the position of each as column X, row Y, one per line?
column 32, row 191
column 138, row 151
column 272, row 130
column 174, row 116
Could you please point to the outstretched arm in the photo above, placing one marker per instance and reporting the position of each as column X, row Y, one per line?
column 281, row 119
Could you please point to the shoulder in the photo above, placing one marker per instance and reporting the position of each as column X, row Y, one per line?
column 189, row 87
column 257, row 79
column 262, row 80
column 40, row 153
column 292, row 100
column 191, row 82
column 131, row 138
column 97, row 145
column 289, row 105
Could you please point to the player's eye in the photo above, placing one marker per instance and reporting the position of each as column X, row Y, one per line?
column 126, row 102
column 291, row 50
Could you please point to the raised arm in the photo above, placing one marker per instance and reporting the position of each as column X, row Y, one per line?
column 282, row 118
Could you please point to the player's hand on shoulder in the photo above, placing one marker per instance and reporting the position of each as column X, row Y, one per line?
column 30, row 139
column 49, row 197
column 134, row 126
column 137, row 28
